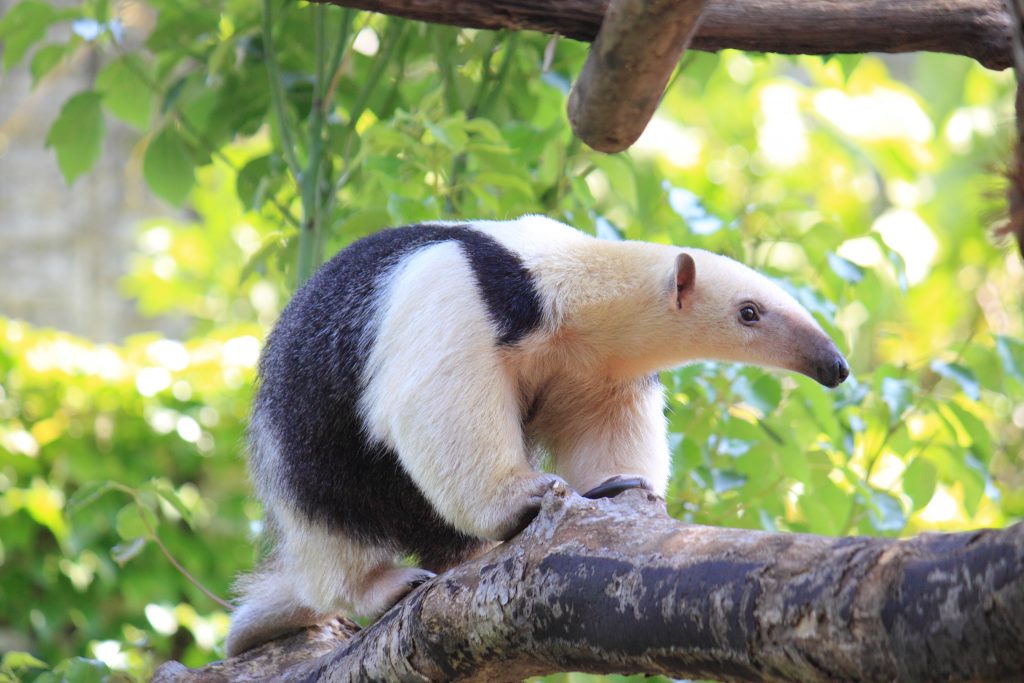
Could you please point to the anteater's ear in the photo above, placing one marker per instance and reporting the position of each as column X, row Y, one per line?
column 686, row 274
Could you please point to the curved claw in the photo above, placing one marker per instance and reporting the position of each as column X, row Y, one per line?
column 613, row 486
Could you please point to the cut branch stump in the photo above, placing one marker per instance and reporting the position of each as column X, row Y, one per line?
column 629, row 65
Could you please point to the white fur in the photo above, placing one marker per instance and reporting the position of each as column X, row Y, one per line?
column 440, row 394
column 314, row 574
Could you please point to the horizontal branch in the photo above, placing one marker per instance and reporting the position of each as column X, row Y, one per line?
column 979, row 29
column 618, row 586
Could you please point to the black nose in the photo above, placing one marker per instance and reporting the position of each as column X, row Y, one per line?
column 833, row 373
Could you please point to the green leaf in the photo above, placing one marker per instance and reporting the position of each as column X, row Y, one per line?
column 82, row 670
column 847, row 270
column 126, row 90
column 686, row 452
column 723, row 481
column 129, row 522
column 900, row 266
column 44, row 60
column 763, row 394
column 77, row 134
column 793, row 461
column 919, row 482
column 22, row 26
column 1011, row 355
column 272, row 244
column 21, row 660
column 959, row 374
column 86, row 495
column 165, row 491
column 167, row 167
column 981, row 439
column 826, row 507
column 258, row 177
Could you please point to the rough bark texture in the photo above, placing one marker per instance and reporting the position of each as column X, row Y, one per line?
column 628, row 67
column 618, row 586
column 976, row 28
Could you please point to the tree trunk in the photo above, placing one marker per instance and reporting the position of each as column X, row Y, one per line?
column 618, row 586
column 976, row 28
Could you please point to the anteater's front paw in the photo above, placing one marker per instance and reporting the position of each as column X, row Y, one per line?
column 613, row 486
column 528, row 492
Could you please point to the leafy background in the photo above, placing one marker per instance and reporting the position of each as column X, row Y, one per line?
column 278, row 133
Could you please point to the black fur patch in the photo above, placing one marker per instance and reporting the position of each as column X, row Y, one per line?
column 310, row 375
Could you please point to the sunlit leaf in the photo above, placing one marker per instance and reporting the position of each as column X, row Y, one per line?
column 22, row 25
column 20, row 660
column 165, row 491
column 981, row 439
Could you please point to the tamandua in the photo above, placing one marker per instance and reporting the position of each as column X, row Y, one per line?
column 411, row 386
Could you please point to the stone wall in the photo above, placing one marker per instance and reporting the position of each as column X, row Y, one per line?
column 63, row 249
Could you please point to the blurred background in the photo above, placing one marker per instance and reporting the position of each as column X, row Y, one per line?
column 157, row 159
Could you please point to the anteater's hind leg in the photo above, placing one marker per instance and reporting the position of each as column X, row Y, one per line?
column 313, row 575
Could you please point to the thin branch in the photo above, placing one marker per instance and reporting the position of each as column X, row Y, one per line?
column 277, row 91
column 227, row 606
column 309, row 185
column 340, row 46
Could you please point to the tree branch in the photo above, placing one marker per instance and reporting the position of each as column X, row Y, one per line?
column 979, row 29
column 618, row 586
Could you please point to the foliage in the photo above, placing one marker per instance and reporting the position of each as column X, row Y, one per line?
column 862, row 183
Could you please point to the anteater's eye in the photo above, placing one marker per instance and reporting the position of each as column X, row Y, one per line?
column 748, row 314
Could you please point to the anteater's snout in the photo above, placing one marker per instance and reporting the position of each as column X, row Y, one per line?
column 833, row 372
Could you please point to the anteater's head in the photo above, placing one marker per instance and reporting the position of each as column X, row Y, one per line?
column 732, row 313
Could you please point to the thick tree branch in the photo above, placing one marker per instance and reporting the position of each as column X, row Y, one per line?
column 976, row 28
column 618, row 586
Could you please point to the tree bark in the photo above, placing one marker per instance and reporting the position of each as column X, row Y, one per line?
column 618, row 586
column 979, row 29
